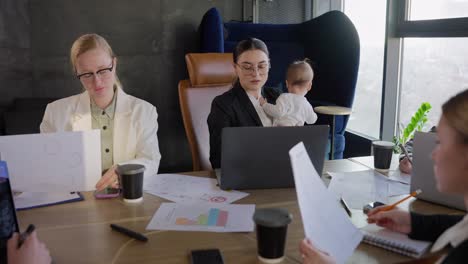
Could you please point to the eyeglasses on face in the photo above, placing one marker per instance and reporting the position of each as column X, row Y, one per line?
column 248, row 68
column 102, row 73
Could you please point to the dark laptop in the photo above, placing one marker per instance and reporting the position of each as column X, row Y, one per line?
column 423, row 173
column 8, row 220
column 257, row 157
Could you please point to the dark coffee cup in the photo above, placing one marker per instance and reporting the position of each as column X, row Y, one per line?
column 131, row 182
column 272, row 227
column 383, row 152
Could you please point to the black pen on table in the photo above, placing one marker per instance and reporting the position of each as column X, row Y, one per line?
column 24, row 236
column 129, row 232
column 345, row 206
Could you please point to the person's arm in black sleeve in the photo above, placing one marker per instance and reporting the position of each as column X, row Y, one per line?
column 217, row 120
column 430, row 227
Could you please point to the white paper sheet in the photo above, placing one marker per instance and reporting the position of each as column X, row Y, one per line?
column 189, row 189
column 394, row 173
column 65, row 161
column 27, row 200
column 359, row 188
column 362, row 187
column 399, row 176
column 325, row 223
column 203, row 217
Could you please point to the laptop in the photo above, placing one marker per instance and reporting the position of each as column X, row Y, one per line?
column 257, row 157
column 423, row 173
column 8, row 219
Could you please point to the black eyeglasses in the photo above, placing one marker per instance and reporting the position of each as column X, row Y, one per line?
column 248, row 68
column 102, row 73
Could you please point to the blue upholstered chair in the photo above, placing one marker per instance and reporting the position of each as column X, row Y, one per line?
column 330, row 41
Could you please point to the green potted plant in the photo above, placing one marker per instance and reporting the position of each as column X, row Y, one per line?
column 418, row 120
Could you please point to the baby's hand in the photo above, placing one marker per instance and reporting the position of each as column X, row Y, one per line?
column 262, row 101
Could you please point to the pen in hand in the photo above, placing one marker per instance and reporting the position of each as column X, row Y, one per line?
column 24, row 236
column 129, row 232
column 405, row 152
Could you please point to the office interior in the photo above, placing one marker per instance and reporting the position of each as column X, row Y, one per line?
column 152, row 37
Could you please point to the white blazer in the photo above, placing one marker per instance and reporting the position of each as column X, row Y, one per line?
column 135, row 126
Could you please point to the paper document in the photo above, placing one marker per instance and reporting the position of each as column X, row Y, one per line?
column 28, row 200
column 359, row 188
column 65, row 161
column 325, row 223
column 399, row 176
column 203, row 217
column 394, row 173
column 362, row 187
column 189, row 189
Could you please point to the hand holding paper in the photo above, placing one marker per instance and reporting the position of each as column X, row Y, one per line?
column 325, row 223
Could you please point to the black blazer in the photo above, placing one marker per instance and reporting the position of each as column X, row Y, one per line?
column 232, row 109
column 430, row 227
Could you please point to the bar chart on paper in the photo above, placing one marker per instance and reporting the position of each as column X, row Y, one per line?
column 203, row 217
column 215, row 217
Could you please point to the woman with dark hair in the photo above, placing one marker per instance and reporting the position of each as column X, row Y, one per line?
column 449, row 232
column 240, row 105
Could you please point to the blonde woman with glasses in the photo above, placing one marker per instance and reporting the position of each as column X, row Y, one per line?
column 128, row 125
column 240, row 106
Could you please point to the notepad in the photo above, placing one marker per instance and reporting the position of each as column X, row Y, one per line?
column 29, row 200
column 394, row 241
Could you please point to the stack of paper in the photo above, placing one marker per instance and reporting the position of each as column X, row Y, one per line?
column 200, row 205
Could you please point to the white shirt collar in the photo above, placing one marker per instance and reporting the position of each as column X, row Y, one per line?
column 454, row 236
column 266, row 121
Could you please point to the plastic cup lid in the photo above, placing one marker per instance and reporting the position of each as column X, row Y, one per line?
column 272, row 217
column 130, row 169
column 383, row 144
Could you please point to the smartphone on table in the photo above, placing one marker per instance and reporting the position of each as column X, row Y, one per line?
column 206, row 256
column 107, row 193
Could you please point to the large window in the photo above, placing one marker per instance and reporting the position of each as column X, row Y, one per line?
column 434, row 69
column 437, row 9
column 369, row 19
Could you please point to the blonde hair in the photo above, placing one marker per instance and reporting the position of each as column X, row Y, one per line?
column 89, row 42
column 455, row 111
column 300, row 72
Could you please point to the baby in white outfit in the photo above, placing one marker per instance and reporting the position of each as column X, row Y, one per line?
column 292, row 108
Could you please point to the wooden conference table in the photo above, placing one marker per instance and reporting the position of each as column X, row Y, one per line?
column 80, row 233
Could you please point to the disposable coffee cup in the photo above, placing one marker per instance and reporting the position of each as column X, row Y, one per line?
column 272, row 226
column 131, row 182
column 383, row 152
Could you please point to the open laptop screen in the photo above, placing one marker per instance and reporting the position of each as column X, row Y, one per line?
column 8, row 221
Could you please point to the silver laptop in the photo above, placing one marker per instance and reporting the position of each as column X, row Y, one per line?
column 257, row 157
column 423, row 173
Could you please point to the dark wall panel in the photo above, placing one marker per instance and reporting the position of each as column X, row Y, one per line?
column 150, row 38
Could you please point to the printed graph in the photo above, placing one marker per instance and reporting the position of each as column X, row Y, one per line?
column 214, row 217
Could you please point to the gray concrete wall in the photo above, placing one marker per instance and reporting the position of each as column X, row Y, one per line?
column 150, row 38
column 15, row 53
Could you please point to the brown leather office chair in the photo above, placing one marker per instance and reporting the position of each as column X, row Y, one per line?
column 211, row 74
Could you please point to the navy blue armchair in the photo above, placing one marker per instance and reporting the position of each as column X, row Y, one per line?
column 330, row 41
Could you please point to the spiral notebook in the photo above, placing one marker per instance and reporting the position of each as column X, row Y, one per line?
column 394, row 241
